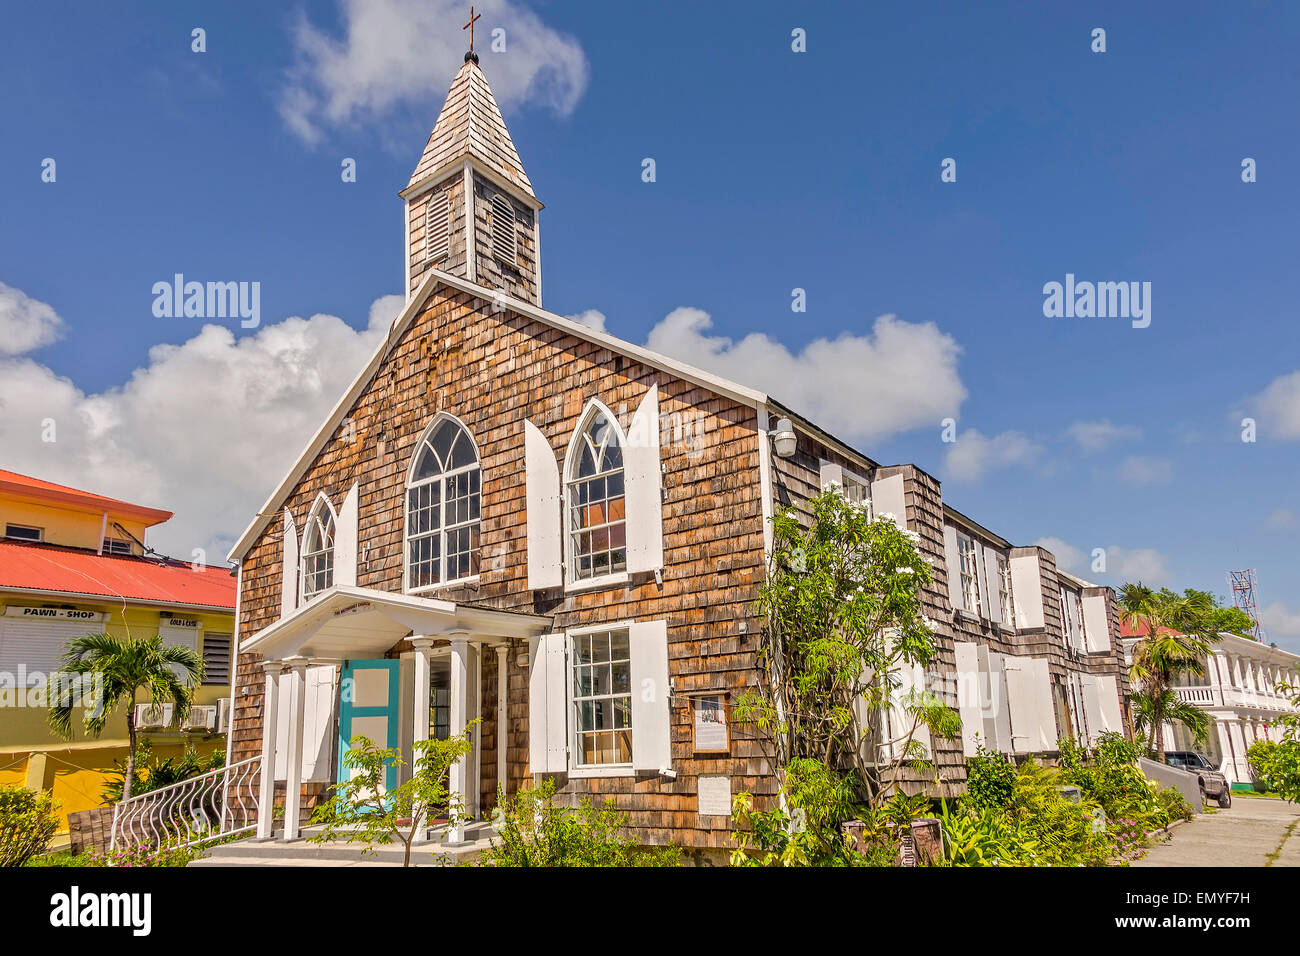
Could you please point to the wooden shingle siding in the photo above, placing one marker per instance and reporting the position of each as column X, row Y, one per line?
column 797, row 478
column 492, row 371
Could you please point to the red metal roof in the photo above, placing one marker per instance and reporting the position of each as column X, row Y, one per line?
column 46, row 567
column 1138, row 629
column 27, row 487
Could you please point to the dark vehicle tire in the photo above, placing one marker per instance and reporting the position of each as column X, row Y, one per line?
column 1225, row 798
column 1201, row 784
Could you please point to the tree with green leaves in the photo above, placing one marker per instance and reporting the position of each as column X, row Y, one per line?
column 1179, row 630
column 114, row 670
column 842, row 615
column 362, row 810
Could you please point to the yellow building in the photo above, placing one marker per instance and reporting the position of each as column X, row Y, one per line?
column 75, row 563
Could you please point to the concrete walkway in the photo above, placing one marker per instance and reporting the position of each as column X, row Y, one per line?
column 1246, row 834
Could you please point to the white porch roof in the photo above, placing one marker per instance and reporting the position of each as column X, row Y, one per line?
column 352, row 622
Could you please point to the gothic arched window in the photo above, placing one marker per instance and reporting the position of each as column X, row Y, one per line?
column 318, row 550
column 594, row 492
column 443, row 501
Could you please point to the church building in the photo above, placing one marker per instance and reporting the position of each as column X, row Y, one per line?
column 516, row 523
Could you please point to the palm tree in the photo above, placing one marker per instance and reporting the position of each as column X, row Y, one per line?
column 118, row 668
column 1150, row 712
column 1179, row 631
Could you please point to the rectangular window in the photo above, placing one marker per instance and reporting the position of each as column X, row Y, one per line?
column 216, row 658
column 602, row 698
column 855, row 491
column 1072, row 619
column 970, row 583
column 22, row 532
column 599, row 538
column 1006, row 597
column 118, row 546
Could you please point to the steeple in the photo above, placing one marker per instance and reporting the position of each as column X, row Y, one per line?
column 470, row 152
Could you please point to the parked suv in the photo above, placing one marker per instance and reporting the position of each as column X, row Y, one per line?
column 1213, row 783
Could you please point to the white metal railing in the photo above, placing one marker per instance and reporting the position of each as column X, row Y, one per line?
column 218, row 803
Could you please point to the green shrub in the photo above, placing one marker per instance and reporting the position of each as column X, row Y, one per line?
column 1113, row 781
column 154, row 773
column 28, row 822
column 990, row 779
column 1174, row 804
column 532, row 831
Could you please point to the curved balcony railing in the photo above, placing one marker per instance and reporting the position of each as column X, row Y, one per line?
column 216, row 804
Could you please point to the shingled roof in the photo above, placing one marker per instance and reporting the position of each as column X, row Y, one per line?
column 470, row 124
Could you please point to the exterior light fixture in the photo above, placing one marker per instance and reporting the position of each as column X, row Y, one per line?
column 784, row 438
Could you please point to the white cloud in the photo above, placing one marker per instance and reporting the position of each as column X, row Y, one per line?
column 25, row 323
column 973, row 454
column 1278, row 407
column 592, row 318
column 860, row 387
column 1143, row 470
column 1122, row 564
column 1094, row 436
column 1281, row 625
column 205, row 429
column 1068, row 557
column 395, row 52
column 1280, row 519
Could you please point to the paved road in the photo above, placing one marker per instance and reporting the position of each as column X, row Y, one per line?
column 1243, row 835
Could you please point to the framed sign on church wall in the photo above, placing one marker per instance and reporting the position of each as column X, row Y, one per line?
column 711, row 719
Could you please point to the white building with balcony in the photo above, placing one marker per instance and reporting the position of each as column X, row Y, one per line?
column 1241, row 690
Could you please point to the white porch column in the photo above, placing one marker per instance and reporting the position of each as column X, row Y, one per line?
column 502, row 727
column 459, row 710
column 270, row 714
column 1225, row 750
column 420, row 715
column 293, row 770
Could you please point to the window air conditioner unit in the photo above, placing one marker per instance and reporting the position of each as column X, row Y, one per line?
column 223, row 715
column 153, row 716
column 202, row 719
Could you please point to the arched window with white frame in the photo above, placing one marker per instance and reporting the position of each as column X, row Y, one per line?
column 317, row 557
column 443, row 504
column 596, row 507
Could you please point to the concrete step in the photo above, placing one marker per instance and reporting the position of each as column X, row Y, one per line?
column 276, row 852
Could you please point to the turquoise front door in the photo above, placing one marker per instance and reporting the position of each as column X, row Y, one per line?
column 368, row 708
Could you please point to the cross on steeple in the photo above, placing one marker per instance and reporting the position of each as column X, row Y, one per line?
column 470, row 27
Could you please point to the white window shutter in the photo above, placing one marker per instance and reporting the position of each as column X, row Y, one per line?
column 993, row 584
column 998, row 720
column 645, row 544
column 887, row 497
column 1029, row 695
column 542, row 488
column 651, row 725
column 318, row 724
column 345, row 541
column 982, row 580
column 547, row 704
column 952, row 557
column 286, row 680
column 1091, row 703
column 1108, row 704
column 1027, row 586
column 970, row 703
column 1042, row 683
column 831, row 473
column 289, row 567
column 1096, row 623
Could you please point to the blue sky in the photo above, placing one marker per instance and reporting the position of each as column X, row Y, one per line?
column 775, row 171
